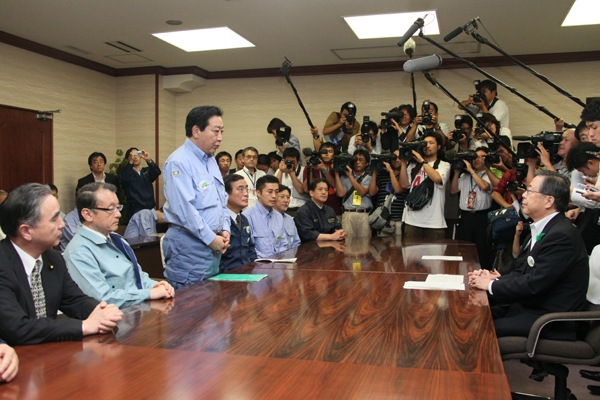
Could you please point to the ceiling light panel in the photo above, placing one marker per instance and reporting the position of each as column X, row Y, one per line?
column 391, row 25
column 583, row 12
column 205, row 39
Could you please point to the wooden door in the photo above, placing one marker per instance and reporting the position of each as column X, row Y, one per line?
column 25, row 147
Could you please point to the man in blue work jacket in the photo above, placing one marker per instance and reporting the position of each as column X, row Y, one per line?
column 196, row 202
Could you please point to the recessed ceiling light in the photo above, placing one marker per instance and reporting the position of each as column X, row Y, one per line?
column 583, row 12
column 204, row 39
column 174, row 22
column 391, row 25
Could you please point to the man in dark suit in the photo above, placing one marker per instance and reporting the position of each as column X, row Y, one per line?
column 550, row 275
column 241, row 249
column 97, row 162
column 34, row 281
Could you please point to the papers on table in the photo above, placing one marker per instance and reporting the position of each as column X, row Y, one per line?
column 442, row 258
column 438, row 282
column 275, row 260
column 238, row 277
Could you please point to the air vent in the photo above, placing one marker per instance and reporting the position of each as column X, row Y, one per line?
column 78, row 50
column 129, row 58
column 127, row 48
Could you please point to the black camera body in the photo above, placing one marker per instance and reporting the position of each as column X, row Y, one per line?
column 394, row 114
column 289, row 164
column 457, row 161
column 492, row 158
column 365, row 135
column 406, row 149
column 550, row 140
column 377, row 161
column 341, row 161
column 283, row 135
column 314, row 158
column 478, row 97
column 459, row 132
column 427, row 120
column 514, row 186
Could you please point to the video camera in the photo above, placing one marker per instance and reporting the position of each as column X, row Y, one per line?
column 365, row 135
column 492, row 158
column 377, row 161
column 478, row 97
column 457, row 160
column 550, row 140
column 313, row 157
column 283, row 135
column 427, row 113
column 394, row 114
column 459, row 132
column 406, row 148
column 341, row 161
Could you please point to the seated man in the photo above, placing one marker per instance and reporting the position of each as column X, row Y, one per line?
column 9, row 362
column 239, row 162
column 241, row 249
column 143, row 223
column 550, row 275
column 315, row 220
column 353, row 188
column 223, row 159
column 72, row 222
column 281, row 205
column 266, row 224
column 97, row 162
column 54, row 191
column 100, row 261
column 137, row 181
column 34, row 281
column 263, row 163
column 324, row 170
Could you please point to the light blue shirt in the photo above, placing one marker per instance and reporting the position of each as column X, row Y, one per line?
column 291, row 233
column 365, row 201
column 195, row 193
column 102, row 271
column 267, row 229
column 142, row 223
column 71, row 221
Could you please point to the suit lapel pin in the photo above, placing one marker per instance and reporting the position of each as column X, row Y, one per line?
column 52, row 267
column 530, row 261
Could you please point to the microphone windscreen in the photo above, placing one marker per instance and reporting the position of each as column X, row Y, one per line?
column 453, row 34
column 307, row 151
column 409, row 47
column 423, row 64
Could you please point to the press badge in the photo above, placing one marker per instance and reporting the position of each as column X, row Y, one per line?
column 471, row 200
column 356, row 199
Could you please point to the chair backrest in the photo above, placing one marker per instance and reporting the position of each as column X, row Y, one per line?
column 592, row 336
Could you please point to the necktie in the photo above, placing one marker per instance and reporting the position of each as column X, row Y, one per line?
column 37, row 290
column 118, row 242
column 238, row 221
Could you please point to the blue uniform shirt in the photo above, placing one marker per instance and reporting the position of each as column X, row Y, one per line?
column 71, row 221
column 142, row 223
column 268, row 231
column 291, row 233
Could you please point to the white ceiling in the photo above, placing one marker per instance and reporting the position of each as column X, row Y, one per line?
column 308, row 32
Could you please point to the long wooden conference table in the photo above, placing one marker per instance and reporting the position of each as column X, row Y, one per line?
column 337, row 324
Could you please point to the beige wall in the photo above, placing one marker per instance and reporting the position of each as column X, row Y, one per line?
column 103, row 113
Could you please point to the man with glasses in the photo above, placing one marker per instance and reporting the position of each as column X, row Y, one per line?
column 250, row 173
column 100, row 261
column 551, row 273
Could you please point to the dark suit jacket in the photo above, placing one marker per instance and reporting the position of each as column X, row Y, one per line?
column 110, row 178
column 18, row 322
column 241, row 250
column 558, row 279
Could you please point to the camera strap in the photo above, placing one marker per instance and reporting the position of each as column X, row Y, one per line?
column 350, row 191
column 415, row 171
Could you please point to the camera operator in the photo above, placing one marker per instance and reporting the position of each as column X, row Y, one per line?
column 353, row 187
column 388, row 182
column 482, row 137
column 137, row 181
column 566, row 144
column 474, row 203
column 324, row 170
column 428, row 222
column 488, row 102
column 464, row 124
column 373, row 145
column 427, row 121
column 282, row 141
column 340, row 127
column 393, row 130
column 291, row 174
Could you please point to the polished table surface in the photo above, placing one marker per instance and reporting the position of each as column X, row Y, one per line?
column 336, row 324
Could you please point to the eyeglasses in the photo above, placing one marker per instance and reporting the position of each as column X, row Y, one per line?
column 529, row 191
column 251, row 157
column 111, row 209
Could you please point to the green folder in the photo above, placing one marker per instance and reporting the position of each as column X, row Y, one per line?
column 239, row 277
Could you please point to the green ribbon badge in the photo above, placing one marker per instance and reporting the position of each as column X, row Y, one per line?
column 539, row 237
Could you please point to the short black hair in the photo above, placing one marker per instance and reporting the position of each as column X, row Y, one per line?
column 487, row 117
column 483, row 148
column 350, row 107
column 127, row 153
column 199, row 117
column 291, row 152
column 94, row 155
column 580, row 127
column 591, row 112
column 263, row 159
column 579, row 154
column 86, row 196
column 327, row 145
column 466, row 119
column 275, row 124
column 411, row 111
column 229, row 180
column 372, row 126
column 431, row 103
column 557, row 186
column 364, row 153
column 223, row 154
column 312, row 186
column 491, row 85
column 434, row 135
column 274, row 156
column 250, row 148
column 22, row 206
column 53, row 187
column 262, row 182
column 237, row 153
column 283, row 188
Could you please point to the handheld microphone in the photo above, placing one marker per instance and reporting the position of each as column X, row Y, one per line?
column 411, row 31
column 409, row 47
column 458, row 30
column 423, row 64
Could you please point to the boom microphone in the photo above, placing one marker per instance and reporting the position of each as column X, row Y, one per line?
column 458, row 30
column 411, row 31
column 423, row 64
column 307, row 151
column 409, row 47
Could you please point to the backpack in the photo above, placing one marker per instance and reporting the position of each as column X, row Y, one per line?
column 380, row 216
column 421, row 195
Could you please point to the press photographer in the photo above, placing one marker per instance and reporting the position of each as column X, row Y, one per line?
column 340, row 127
column 367, row 139
column 462, row 135
column 482, row 137
column 385, row 182
column 283, row 136
column 426, row 122
column 395, row 126
column 485, row 100
column 291, row 174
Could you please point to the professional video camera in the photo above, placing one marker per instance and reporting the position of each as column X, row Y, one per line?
column 341, row 161
column 394, row 114
column 457, row 160
column 377, row 161
column 492, row 158
column 459, row 132
column 406, row 150
column 478, row 97
column 364, row 130
column 550, row 140
column 283, row 135
column 351, row 117
column 313, row 157
column 427, row 113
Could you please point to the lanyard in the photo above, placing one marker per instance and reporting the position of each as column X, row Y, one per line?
column 251, row 179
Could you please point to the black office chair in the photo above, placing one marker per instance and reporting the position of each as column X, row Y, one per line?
column 550, row 355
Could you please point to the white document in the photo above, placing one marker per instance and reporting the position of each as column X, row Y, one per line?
column 274, row 260
column 438, row 282
column 442, row 258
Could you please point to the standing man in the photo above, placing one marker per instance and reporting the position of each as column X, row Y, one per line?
column 241, row 250
column 340, row 127
column 281, row 205
column 137, row 181
column 281, row 131
column 316, row 220
column 490, row 103
column 386, row 182
column 97, row 162
column 373, row 145
column 291, row 174
column 34, row 281
column 427, row 121
column 196, row 202
column 250, row 173
column 266, row 224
